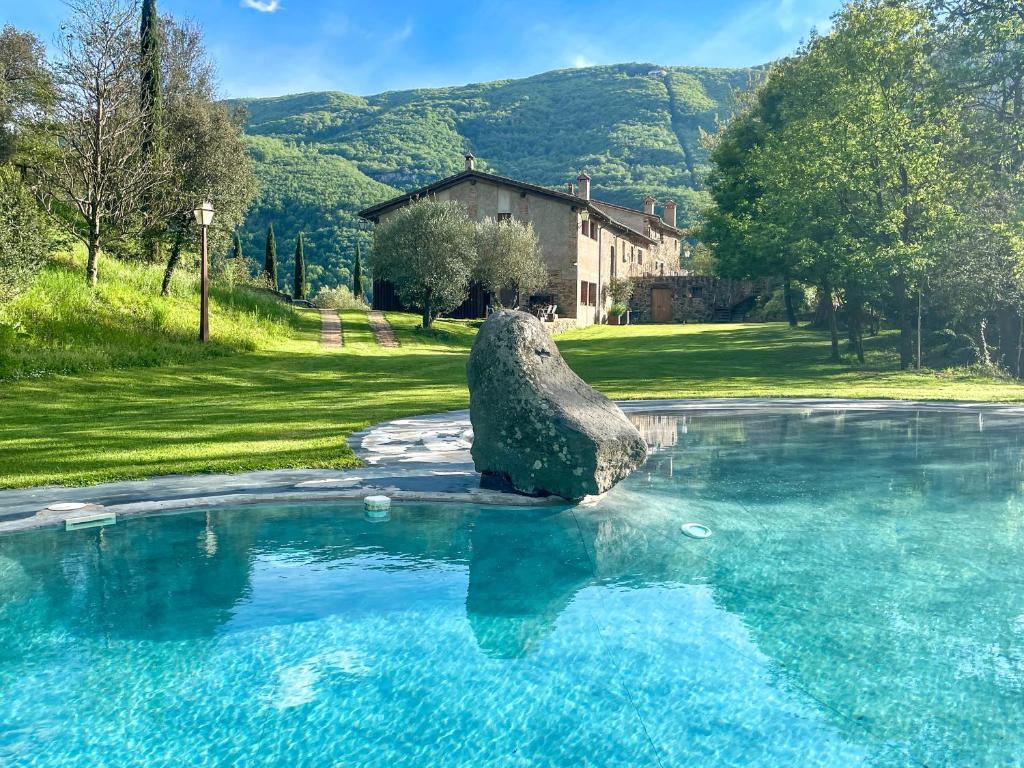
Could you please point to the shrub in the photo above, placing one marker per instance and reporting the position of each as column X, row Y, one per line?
column 25, row 241
column 339, row 298
column 620, row 291
column 618, row 309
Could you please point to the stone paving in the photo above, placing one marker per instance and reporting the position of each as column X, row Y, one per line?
column 382, row 330
column 423, row 458
column 330, row 329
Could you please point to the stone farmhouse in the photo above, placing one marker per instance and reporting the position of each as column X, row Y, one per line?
column 584, row 242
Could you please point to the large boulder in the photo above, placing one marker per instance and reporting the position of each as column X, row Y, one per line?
column 535, row 422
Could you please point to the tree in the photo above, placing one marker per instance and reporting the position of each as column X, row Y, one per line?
column 96, row 168
column 427, row 250
column 508, row 258
column 842, row 173
column 299, row 291
column 26, row 90
column 204, row 145
column 270, row 263
column 151, row 106
column 236, row 248
column 357, row 276
column 24, row 235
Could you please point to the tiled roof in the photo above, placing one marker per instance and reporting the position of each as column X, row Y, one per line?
column 594, row 206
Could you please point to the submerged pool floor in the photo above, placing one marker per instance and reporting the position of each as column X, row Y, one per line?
column 859, row 602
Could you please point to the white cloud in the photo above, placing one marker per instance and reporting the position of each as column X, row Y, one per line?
column 263, row 6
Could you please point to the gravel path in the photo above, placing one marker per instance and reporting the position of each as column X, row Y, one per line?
column 330, row 329
column 381, row 328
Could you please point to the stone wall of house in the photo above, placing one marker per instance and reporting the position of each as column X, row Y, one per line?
column 695, row 299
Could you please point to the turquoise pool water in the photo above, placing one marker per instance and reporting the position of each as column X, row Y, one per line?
column 859, row 602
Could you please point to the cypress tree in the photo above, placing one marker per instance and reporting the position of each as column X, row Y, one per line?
column 300, row 271
column 151, row 103
column 237, row 248
column 357, row 275
column 270, row 265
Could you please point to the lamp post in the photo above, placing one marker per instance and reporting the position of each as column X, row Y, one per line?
column 204, row 217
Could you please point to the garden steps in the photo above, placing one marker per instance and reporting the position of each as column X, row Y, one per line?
column 382, row 330
column 330, row 329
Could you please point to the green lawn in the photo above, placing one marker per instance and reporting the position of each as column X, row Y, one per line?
column 291, row 404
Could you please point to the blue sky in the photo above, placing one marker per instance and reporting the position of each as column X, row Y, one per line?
column 273, row 47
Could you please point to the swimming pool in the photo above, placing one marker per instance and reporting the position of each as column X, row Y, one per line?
column 858, row 602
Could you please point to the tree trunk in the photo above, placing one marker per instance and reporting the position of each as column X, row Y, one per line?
column 906, row 310
column 1009, row 337
column 92, row 268
column 427, row 318
column 833, row 325
column 855, row 323
column 172, row 263
column 787, row 298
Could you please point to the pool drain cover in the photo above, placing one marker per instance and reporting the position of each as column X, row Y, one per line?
column 66, row 506
column 696, row 530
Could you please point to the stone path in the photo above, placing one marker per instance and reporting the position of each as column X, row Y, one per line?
column 381, row 328
column 330, row 329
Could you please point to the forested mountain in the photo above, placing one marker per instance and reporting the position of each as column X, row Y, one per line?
column 321, row 157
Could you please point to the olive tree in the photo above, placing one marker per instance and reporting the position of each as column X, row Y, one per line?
column 508, row 258
column 427, row 250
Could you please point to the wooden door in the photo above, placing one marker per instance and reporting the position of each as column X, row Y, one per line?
column 661, row 305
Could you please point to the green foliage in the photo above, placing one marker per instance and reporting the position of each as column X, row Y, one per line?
column 25, row 238
column 843, row 173
column 620, row 291
column 236, row 247
column 321, row 157
column 428, row 251
column 26, row 90
column 299, row 285
column 508, row 258
column 270, row 262
column 67, row 328
column 618, row 309
column 340, row 298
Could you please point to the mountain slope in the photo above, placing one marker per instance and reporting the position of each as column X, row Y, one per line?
column 634, row 127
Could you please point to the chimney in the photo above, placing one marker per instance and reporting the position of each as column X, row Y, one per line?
column 571, row 188
column 670, row 213
column 584, row 181
column 649, row 205
column 470, row 162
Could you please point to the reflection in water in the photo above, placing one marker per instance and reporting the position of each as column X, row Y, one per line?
column 859, row 603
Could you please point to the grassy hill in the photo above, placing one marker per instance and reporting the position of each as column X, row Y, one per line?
column 321, row 157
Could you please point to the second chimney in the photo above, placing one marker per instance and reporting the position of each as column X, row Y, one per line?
column 470, row 162
column 670, row 213
column 649, row 205
column 584, row 181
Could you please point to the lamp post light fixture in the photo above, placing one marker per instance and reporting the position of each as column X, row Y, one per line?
column 204, row 217
column 584, row 214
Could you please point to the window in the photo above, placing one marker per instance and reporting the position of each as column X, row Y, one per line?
column 504, row 217
column 593, row 231
column 639, row 255
column 696, row 291
column 588, row 294
column 585, row 228
column 613, row 253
